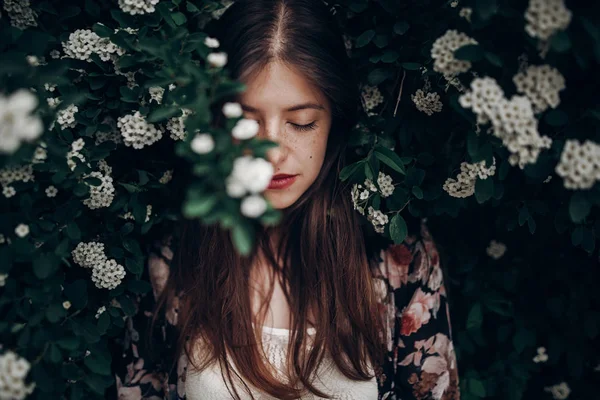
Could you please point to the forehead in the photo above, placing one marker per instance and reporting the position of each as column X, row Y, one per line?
column 280, row 87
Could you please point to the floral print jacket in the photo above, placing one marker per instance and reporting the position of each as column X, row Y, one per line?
column 421, row 362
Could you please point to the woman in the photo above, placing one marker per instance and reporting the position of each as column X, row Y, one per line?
column 315, row 311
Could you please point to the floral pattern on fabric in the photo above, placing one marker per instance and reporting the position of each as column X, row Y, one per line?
column 421, row 362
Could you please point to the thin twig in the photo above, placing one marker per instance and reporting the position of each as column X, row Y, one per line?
column 400, row 92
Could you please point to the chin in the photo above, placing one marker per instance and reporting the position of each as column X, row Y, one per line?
column 280, row 200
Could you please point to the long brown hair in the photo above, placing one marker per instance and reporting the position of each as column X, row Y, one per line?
column 320, row 259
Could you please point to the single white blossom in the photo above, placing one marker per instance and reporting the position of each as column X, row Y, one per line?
column 560, row 391
column 217, row 60
column 203, row 143
column 232, row 110
column 211, row 42
column 253, row 206
column 245, row 129
column 22, row 230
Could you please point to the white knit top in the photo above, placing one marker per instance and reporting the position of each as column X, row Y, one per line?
column 209, row 385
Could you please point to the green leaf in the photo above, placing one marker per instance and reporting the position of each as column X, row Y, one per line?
column 102, row 30
column 469, row 52
column 484, row 189
column 127, row 305
column 418, row 192
column 76, row 293
column 390, row 56
column 579, row 207
column 560, row 42
column 556, row 118
column 390, row 158
column 199, row 207
column 97, row 365
column 349, row 170
column 410, row 66
column 486, row 8
column 179, row 18
column 398, row 229
column 365, row 38
column 401, row 27
column 368, row 171
column 243, row 237
column 45, row 265
column 378, row 75
column 493, row 59
column 476, row 387
column 163, row 113
column 475, row 317
column 73, row 231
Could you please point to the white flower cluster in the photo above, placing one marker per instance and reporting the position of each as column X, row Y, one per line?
column 17, row 121
column 579, row 164
column 103, row 194
column 176, row 125
column 156, row 93
column 541, row 355
column 89, row 255
column 66, row 117
column 166, row 177
column 428, row 103
column 3, row 277
column 541, row 85
column 371, row 97
column 83, row 42
column 113, row 134
column 22, row 173
column 442, row 53
column 137, row 132
column 386, row 187
column 560, row 391
column 13, row 370
column 76, row 146
column 129, row 215
column 377, row 218
column 20, row 13
column 106, row 274
column 464, row 184
column 53, row 101
column 100, row 311
column 360, row 194
column 134, row 7
column 512, row 120
column 496, row 249
column 546, row 17
column 249, row 175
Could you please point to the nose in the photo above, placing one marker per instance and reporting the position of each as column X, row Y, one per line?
column 273, row 131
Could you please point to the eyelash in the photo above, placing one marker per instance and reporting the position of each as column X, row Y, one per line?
column 304, row 128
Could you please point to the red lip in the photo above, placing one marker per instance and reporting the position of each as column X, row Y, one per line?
column 281, row 181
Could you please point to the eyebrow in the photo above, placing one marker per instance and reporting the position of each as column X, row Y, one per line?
column 297, row 107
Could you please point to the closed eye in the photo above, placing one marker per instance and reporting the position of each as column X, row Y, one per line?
column 307, row 127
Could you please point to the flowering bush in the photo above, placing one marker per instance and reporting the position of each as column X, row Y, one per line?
column 108, row 135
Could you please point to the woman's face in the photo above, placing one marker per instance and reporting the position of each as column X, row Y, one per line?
column 296, row 115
